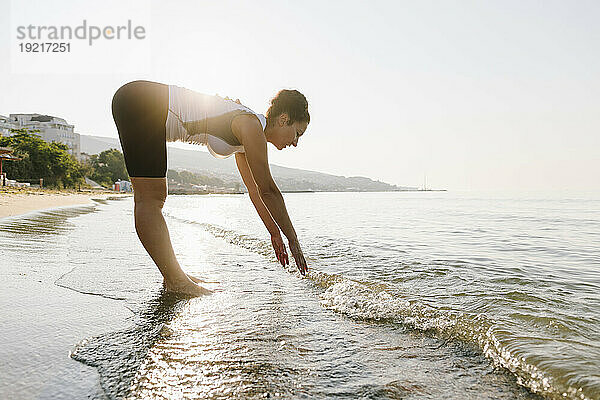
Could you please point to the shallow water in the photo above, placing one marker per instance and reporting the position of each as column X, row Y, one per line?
column 410, row 295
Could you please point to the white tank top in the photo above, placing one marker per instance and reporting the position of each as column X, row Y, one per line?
column 204, row 119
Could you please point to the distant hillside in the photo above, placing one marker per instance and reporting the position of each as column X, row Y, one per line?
column 288, row 179
column 97, row 144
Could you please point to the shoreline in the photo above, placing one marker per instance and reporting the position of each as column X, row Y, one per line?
column 18, row 201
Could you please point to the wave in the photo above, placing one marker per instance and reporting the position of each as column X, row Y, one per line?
column 378, row 302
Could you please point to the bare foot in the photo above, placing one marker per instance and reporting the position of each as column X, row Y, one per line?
column 187, row 288
column 198, row 280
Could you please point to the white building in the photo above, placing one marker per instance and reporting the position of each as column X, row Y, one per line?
column 5, row 126
column 50, row 129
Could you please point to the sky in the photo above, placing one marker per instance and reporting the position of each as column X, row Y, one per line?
column 471, row 95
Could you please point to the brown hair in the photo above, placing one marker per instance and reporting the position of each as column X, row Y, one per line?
column 291, row 102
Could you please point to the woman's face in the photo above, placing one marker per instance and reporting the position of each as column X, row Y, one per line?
column 287, row 135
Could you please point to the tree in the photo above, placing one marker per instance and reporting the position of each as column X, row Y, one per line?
column 190, row 178
column 40, row 159
column 108, row 167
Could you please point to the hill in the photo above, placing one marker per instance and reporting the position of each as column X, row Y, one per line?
column 288, row 179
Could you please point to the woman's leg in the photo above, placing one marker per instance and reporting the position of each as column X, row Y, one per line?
column 139, row 110
column 149, row 197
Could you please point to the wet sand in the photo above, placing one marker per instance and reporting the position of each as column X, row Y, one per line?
column 42, row 321
column 17, row 201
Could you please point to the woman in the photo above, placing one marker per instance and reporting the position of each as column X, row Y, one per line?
column 148, row 114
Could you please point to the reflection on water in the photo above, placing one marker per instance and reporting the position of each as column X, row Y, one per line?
column 119, row 355
column 50, row 222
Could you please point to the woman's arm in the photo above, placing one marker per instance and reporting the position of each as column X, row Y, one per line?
column 242, row 165
column 253, row 139
column 255, row 145
column 276, row 241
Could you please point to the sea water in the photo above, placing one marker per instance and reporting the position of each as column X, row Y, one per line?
column 409, row 295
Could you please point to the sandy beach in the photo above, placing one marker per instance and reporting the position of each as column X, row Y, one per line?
column 16, row 201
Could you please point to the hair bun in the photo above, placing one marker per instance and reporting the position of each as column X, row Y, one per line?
column 291, row 102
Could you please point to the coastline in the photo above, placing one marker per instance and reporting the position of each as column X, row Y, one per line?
column 18, row 201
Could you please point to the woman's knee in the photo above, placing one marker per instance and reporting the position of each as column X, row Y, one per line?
column 149, row 191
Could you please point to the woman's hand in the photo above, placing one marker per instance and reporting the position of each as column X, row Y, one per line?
column 298, row 256
column 279, row 248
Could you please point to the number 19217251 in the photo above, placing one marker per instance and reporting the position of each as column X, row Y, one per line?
column 45, row 47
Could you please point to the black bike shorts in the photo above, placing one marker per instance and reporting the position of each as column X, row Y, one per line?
column 139, row 109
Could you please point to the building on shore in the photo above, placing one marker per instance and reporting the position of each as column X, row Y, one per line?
column 6, row 125
column 122, row 186
column 50, row 129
